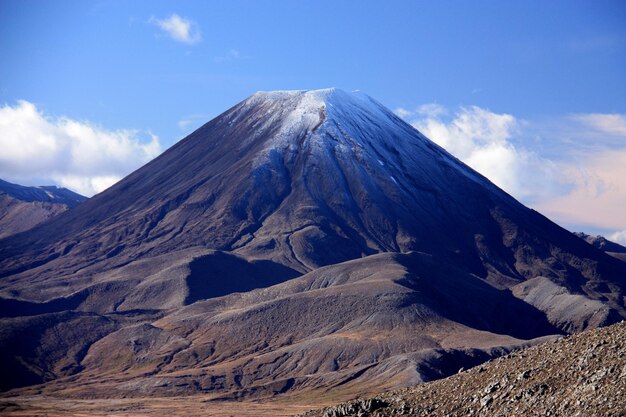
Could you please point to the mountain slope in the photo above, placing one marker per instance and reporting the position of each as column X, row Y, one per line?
column 22, row 208
column 300, row 241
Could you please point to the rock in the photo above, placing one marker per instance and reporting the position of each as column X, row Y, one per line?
column 558, row 389
column 492, row 387
column 485, row 401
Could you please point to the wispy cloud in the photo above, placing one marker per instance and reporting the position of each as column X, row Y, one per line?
column 402, row 112
column 431, row 110
column 75, row 154
column 610, row 124
column 596, row 43
column 192, row 121
column 598, row 195
column 179, row 28
column 232, row 55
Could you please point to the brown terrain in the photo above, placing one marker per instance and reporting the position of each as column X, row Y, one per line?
column 26, row 406
column 303, row 246
column 17, row 216
column 579, row 375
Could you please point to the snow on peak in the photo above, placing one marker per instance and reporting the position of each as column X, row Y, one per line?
column 320, row 94
column 347, row 125
column 301, row 112
column 352, row 121
column 311, row 101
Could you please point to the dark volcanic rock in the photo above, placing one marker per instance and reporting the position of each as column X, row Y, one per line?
column 40, row 348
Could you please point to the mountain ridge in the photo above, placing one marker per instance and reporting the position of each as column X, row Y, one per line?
column 602, row 243
column 45, row 193
column 22, row 208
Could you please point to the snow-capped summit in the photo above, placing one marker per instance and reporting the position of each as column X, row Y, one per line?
column 305, row 110
column 351, row 126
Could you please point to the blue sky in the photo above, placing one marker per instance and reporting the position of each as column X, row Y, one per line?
column 545, row 81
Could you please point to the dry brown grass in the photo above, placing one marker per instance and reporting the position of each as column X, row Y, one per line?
column 40, row 405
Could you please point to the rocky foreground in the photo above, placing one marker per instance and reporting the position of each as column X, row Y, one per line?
column 579, row 375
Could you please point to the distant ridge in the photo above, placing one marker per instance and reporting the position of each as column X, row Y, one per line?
column 46, row 193
column 602, row 243
column 22, row 208
column 614, row 249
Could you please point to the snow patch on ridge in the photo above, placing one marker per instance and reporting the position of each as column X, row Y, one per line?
column 298, row 112
column 301, row 112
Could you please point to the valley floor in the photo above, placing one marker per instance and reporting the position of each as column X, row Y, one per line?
column 40, row 405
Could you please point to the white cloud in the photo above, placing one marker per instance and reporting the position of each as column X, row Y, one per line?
column 74, row 154
column 483, row 140
column 619, row 237
column 192, row 122
column 183, row 124
column 402, row 112
column 598, row 195
column 179, row 28
column 431, row 110
column 610, row 124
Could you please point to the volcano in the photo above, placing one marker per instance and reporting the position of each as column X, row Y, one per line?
column 302, row 241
